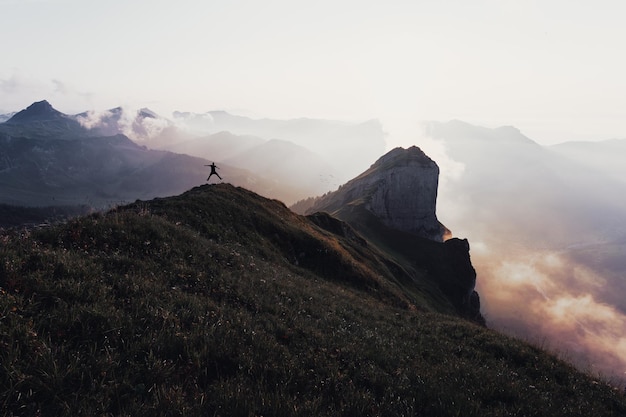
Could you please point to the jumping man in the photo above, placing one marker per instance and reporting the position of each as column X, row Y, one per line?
column 213, row 170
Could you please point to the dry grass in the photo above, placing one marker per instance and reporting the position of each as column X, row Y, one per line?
column 204, row 305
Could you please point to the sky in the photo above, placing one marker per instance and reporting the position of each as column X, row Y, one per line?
column 552, row 68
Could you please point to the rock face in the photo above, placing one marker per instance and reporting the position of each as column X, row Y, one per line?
column 405, row 195
column 451, row 264
column 400, row 189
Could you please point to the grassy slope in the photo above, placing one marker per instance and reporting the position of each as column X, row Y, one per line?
column 411, row 253
column 220, row 302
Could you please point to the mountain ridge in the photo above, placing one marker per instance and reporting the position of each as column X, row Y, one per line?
column 48, row 158
column 394, row 203
column 400, row 188
column 220, row 301
column 38, row 111
column 327, row 144
column 42, row 121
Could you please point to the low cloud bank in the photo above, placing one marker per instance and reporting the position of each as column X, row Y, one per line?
column 548, row 299
column 140, row 125
column 547, row 241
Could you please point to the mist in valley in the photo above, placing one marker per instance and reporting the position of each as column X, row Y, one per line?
column 301, row 157
column 545, row 223
column 547, row 234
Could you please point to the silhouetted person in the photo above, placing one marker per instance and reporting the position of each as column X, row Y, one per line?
column 213, row 170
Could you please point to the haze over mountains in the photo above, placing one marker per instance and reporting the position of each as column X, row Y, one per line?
column 222, row 136
column 548, row 233
column 546, row 224
column 290, row 159
column 48, row 158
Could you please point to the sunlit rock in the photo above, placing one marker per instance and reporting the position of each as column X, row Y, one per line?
column 400, row 189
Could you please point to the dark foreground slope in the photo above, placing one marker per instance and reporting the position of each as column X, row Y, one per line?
column 220, row 302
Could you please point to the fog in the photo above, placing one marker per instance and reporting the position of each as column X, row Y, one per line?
column 546, row 225
column 301, row 157
column 547, row 236
column 141, row 125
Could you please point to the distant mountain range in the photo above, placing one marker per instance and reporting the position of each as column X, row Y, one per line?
column 604, row 156
column 544, row 195
column 548, row 229
column 288, row 160
column 48, row 158
column 547, row 226
column 348, row 147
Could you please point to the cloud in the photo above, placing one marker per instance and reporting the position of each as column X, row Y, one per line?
column 149, row 127
column 19, row 89
column 194, row 122
column 128, row 121
column 17, row 83
column 450, row 169
column 542, row 256
column 9, row 85
column 549, row 298
column 60, row 87
column 93, row 119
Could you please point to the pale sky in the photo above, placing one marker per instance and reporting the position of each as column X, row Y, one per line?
column 556, row 69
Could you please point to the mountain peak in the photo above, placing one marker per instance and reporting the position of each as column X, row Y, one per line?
column 400, row 189
column 147, row 113
column 404, row 157
column 38, row 111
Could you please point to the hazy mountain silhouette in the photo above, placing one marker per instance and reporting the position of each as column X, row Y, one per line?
column 526, row 190
column 547, row 225
column 321, row 154
column 40, row 111
column 288, row 165
column 41, row 121
column 49, row 158
column 604, row 156
column 348, row 147
column 218, row 146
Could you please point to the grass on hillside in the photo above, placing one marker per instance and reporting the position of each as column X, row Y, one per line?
column 197, row 306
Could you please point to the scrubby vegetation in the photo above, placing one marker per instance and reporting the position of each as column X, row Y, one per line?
column 219, row 302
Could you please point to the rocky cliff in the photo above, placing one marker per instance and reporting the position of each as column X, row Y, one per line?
column 393, row 203
column 400, row 189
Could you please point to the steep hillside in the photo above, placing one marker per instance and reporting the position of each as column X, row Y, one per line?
column 221, row 302
column 393, row 203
